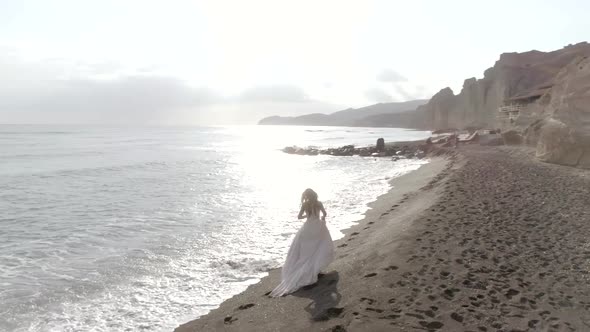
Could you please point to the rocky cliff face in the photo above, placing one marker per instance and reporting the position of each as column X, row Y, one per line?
column 553, row 89
column 563, row 135
column 512, row 75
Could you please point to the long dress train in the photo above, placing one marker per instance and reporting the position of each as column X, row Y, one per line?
column 311, row 251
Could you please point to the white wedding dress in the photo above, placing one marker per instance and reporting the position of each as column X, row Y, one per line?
column 311, row 251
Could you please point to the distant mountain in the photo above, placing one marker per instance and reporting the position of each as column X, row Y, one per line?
column 408, row 119
column 347, row 117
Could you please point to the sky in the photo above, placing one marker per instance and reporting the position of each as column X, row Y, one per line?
column 181, row 62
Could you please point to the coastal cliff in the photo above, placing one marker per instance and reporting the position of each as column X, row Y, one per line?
column 514, row 77
column 541, row 97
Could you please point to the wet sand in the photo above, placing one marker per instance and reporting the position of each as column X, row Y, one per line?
column 485, row 240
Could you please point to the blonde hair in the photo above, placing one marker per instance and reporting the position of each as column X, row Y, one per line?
column 309, row 201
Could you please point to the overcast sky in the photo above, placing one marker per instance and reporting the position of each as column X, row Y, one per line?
column 220, row 61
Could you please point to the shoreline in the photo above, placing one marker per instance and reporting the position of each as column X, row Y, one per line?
column 400, row 188
column 494, row 240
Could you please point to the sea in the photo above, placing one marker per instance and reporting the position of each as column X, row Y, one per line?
column 146, row 228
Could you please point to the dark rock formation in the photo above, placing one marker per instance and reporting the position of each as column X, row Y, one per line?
column 512, row 137
column 380, row 146
column 413, row 150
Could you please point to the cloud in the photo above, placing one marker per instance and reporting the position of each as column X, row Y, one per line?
column 57, row 92
column 378, row 95
column 273, row 93
column 404, row 93
column 389, row 75
column 403, row 89
column 138, row 99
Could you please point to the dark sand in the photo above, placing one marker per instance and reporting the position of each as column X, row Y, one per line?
column 488, row 240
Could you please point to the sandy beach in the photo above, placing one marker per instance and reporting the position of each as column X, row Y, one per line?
column 485, row 239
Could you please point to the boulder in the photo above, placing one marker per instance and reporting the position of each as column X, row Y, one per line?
column 512, row 137
column 558, row 144
column 564, row 136
column 380, row 144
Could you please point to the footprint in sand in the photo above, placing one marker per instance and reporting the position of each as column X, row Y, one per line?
column 431, row 325
column 415, row 315
column 229, row 320
column 246, row 306
column 428, row 313
column 532, row 323
column 368, row 300
column 450, row 293
column 511, row 293
column 457, row 317
column 338, row 328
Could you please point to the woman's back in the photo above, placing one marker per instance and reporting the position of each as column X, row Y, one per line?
column 312, row 209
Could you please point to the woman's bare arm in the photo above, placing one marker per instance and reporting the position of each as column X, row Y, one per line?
column 324, row 214
column 301, row 213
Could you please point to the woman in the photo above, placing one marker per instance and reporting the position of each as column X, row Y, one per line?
column 311, row 251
